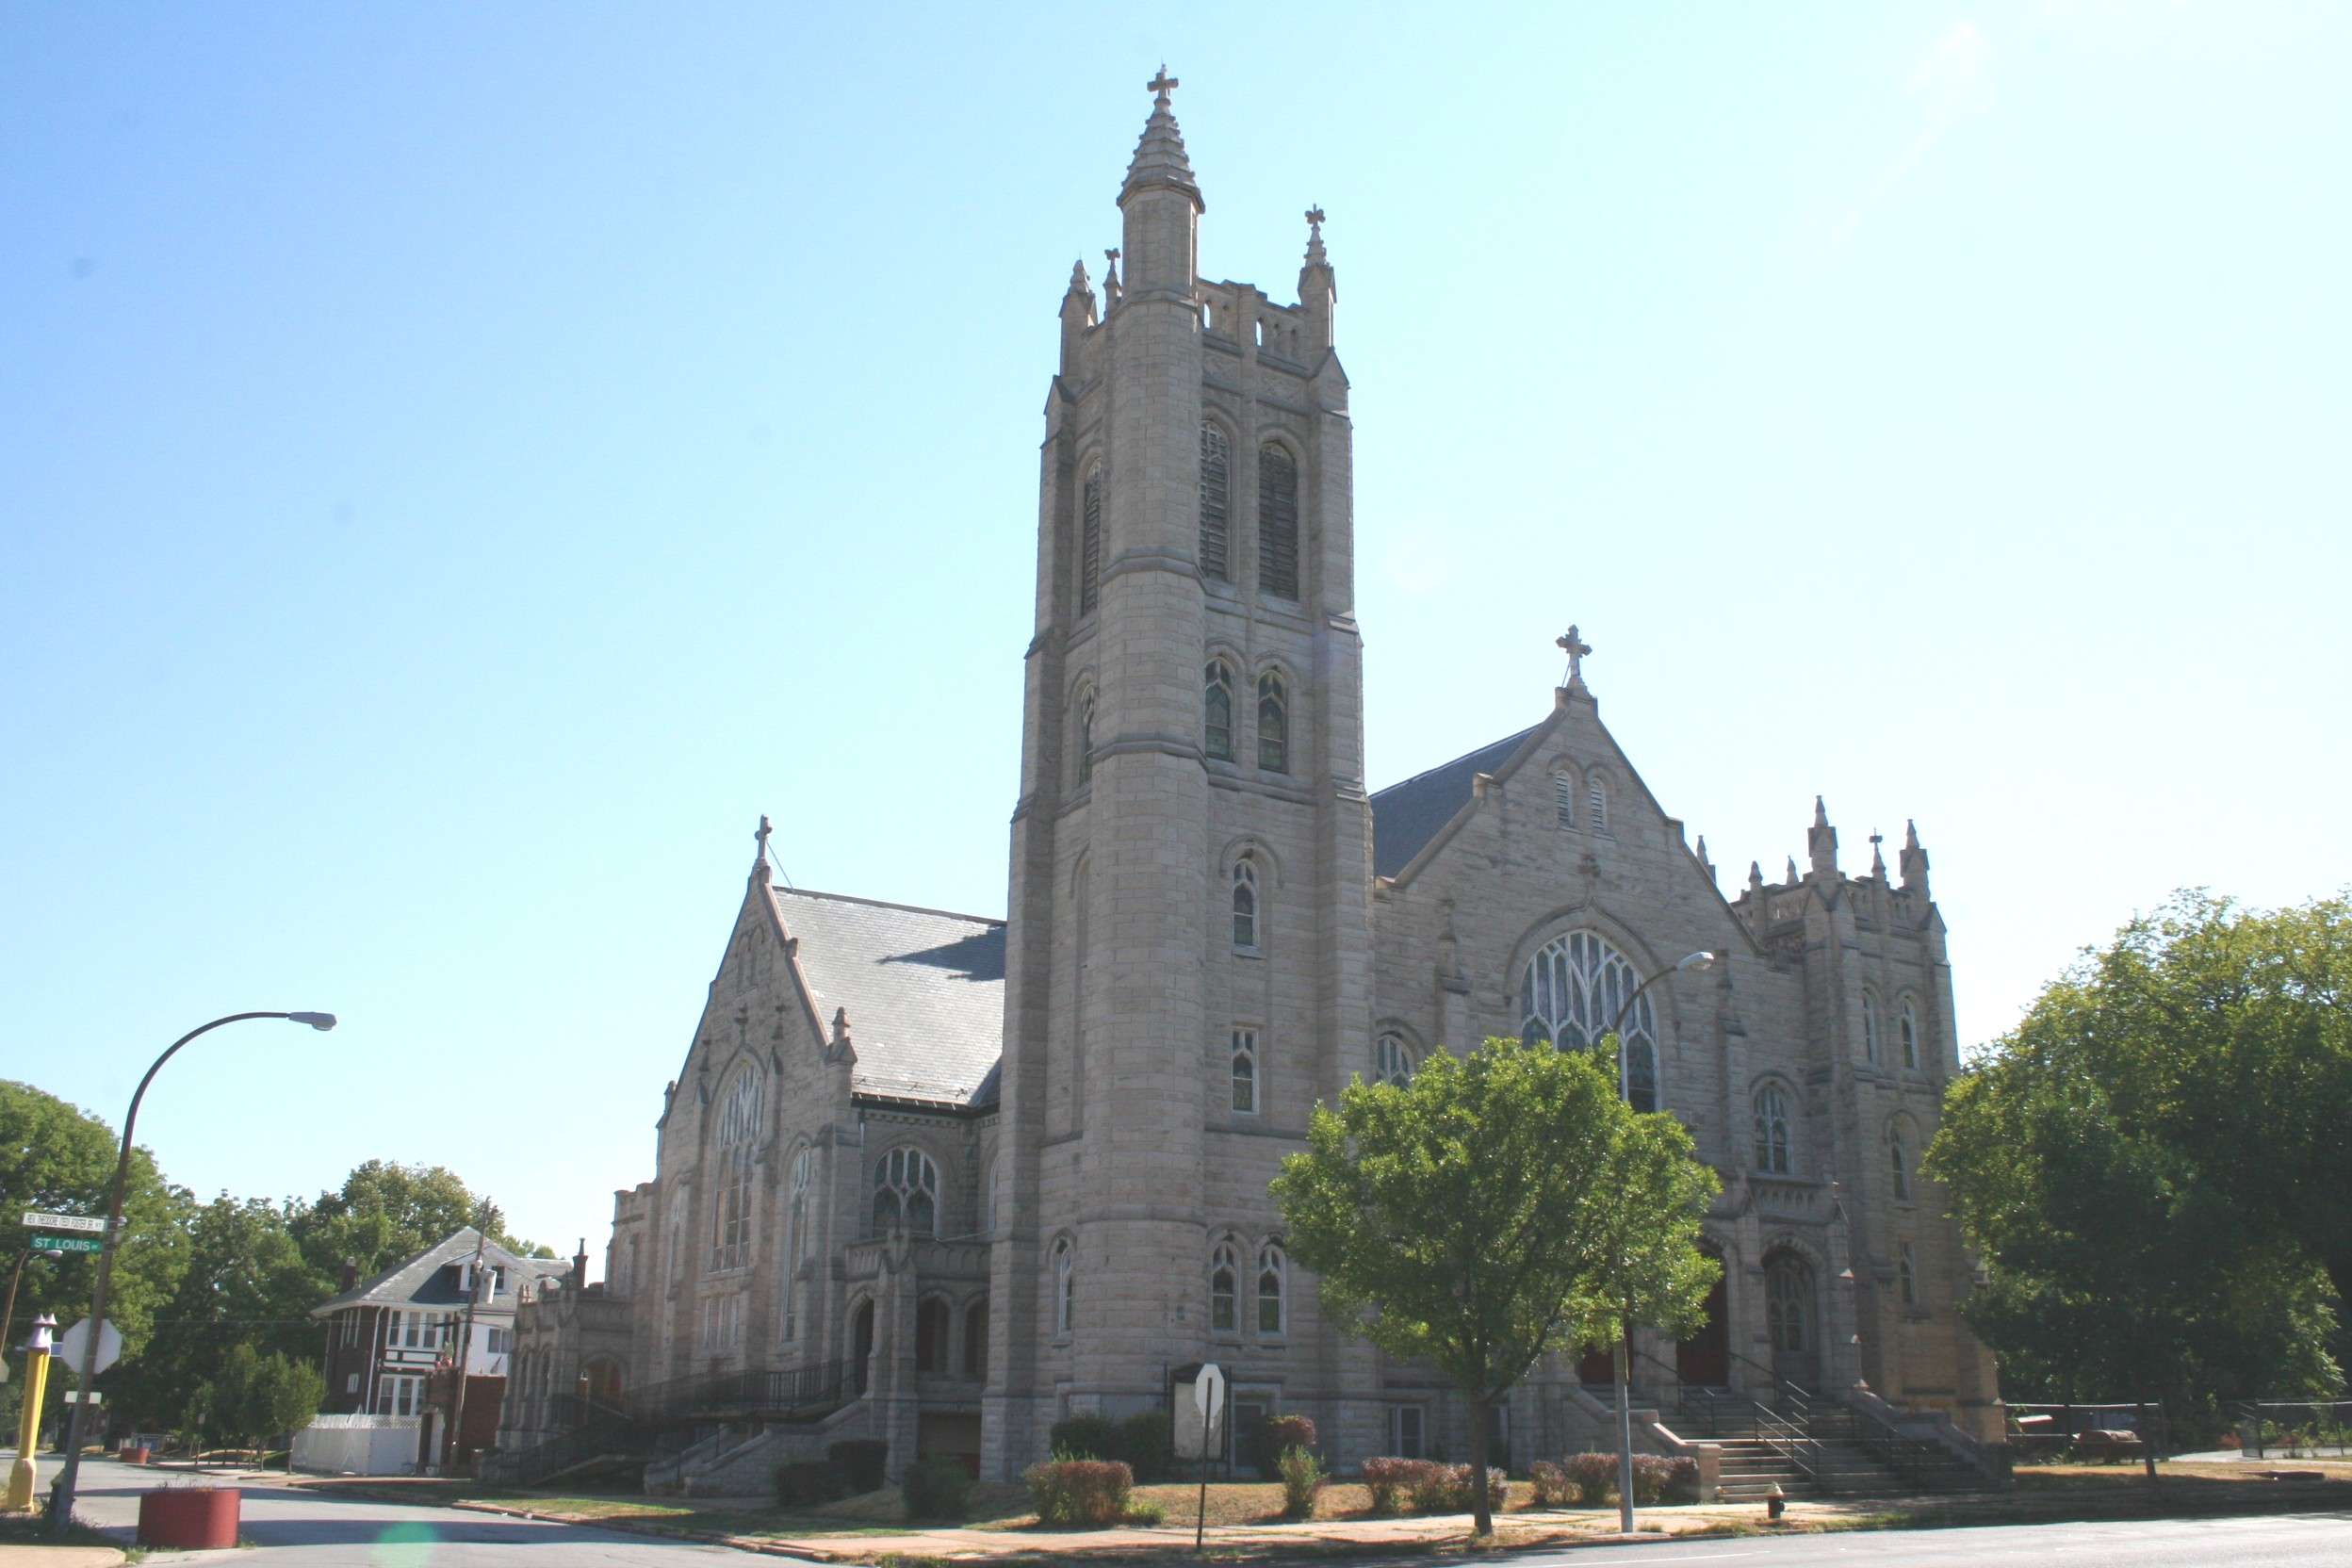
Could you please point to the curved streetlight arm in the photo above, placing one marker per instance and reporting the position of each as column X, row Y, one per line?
column 1701, row 959
column 61, row 1505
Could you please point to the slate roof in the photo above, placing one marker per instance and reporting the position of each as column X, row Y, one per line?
column 1406, row 816
column 426, row 1279
column 924, row 990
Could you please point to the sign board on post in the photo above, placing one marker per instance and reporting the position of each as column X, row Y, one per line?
column 1208, row 1406
column 1190, row 1439
column 69, row 1244
column 40, row 1221
column 72, row 1342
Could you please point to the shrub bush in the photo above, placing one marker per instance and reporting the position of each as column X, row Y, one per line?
column 936, row 1489
column 1080, row 1490
column 1145, row 1511
column 1084, row 1437
column 1682, row 1481
column 1554, row 1486
column 1274, row 1437
column 1447, row 1489
column 1594, row 1477
column 807, row 1484
column 1143, row 1443
column 1393, row 1482
column 858, row 1463
column 1302, row 1480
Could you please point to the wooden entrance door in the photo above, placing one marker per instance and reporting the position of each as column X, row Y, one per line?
column 1705, row 1356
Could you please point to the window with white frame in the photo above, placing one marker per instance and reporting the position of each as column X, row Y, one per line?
column 1216, row 739
column 906, row 1191
column 1772, row 1130
column 1224, row 1286
column 1245, row 1072
column 397, row 1394
column 1405, row 1438
column 1246, row 903
column 1273, row 723
column 721, row 1323
column 738, row 1137
column 1272, row 1299
column 1391, row 1061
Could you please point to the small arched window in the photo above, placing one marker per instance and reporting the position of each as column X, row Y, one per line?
column 1898, row 1160
column 1772, row 1131
column 1565, row 799
column 1391, row 1061
column 1224, row 1286
column 1065, row 1286
column 1596, row 803
column 1788, row 1305
column 976, row 1339
column 1870, row 1027
column 738, row 1136
column 1090, row 544
column 907, row 1191
column 1085, row 736
column 1273, row 724
column 1278, row 523
column 796, row 1235
column 1907, row 1275
column 1217, row 466
column 1907, row 1026
column 1246, row 904
column 1270, row 1290
column 1217, row 690
column 931, row 1330
column 1245, row 1072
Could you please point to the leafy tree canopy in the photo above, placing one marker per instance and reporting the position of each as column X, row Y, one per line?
column 1494, row 1208
column 2099, row 1161
column 387, row 1213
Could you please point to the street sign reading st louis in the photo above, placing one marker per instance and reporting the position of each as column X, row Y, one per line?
column 69, row 1244
column 39, row 1221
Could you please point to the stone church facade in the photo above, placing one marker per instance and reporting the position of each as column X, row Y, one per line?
column 946, row 1179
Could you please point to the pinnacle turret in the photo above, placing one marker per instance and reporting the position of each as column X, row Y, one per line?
column 1160, row 158
column 1820, row 842
column 1913, row 861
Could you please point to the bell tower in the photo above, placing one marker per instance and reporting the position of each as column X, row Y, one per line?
column 1188, row 950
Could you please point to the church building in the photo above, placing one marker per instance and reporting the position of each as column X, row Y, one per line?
column 947, row 1179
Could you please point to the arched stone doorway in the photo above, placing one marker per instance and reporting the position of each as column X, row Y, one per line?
column 1792, row 1320
column 1705, row 1356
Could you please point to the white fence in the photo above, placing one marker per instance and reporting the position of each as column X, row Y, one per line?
column 357, row 1446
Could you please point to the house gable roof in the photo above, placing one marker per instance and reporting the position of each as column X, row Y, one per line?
column 424, row 1280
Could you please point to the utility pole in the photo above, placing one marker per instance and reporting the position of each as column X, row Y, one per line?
column 466, row 1347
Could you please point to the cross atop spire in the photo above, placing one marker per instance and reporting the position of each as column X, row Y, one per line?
column 1159, row 158
column 1162, row 85
column 762, row 835
column 1576, row 647
column 1316, row 256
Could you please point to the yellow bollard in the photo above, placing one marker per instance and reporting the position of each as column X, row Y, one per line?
column 24, row 1475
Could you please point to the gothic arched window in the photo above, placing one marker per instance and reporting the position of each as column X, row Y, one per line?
column 1245, row 1072
column 1270, row 1290
column 1391, row 1061
column 1224, row 1277
column 1090, row 544
column 1218, row 690
column 1246, row 904
column 1273, row 724
column 1278, row 522
column 1772, row 1130
column 1898, row 1160
column 1788, row 1291
column 1907, row 1275
column 1217, row 466
column 1907, row 1026
column 1565, row 799
column 1065, row 1286
column 1575, row 991
column 796, row 1235
column 1085, row 736
column 1870, row 1027
column 1596, row 803
column 906, row 1191
column 738, row 1134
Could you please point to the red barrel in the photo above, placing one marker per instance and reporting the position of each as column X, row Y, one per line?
column 130, row 1455
column 194, row 1518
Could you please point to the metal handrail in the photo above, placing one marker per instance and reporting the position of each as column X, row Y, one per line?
column 1778, row 1434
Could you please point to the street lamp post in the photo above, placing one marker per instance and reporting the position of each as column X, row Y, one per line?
column 1700, row 959
column 61, row 1500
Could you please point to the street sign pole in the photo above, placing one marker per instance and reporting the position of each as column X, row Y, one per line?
column 1208, row 1389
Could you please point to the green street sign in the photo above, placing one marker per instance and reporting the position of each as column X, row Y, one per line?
column 69, row 1244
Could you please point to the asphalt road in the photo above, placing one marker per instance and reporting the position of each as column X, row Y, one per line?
column 296, row 1529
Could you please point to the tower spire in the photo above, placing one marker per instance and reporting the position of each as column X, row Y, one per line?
column 1159, row 237
column 1913, row 861
column 1160, row 158
column 1820, row 842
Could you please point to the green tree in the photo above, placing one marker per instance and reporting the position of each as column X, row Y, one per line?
column 1494, row 1208
column 385, row 1214
column 2121, row 1260
column 246, row 1283
column 56, row 1157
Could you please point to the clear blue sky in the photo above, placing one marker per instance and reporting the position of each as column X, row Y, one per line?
column 460, row 464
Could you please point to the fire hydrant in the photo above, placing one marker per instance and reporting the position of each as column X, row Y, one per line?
column 1775, row 1503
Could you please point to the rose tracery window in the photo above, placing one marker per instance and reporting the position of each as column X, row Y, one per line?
column 1575, row 989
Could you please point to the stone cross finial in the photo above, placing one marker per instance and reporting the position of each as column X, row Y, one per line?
column 1315, row 220
column 1576, row 647
column 762, row 835
column 1162, row 85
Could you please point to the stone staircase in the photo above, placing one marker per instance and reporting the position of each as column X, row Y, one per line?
column 1809, row 1448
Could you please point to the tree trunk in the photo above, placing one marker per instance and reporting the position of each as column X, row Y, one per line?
column 1482, row 1507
